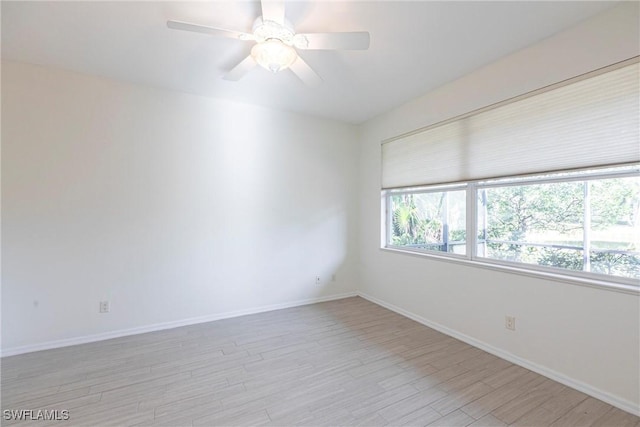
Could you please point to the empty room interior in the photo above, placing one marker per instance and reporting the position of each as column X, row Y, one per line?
column 320, row 213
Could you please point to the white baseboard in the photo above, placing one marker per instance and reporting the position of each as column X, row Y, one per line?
column 616, row 401
column 12, row 351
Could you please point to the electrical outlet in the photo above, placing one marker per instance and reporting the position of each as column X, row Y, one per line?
column 104, row 307
column 510, row 323
column 317, row 280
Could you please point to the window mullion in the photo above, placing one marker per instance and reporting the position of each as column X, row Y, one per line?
column 389, row 218
column 472, row 220
column 445, row 222
column 586, row 231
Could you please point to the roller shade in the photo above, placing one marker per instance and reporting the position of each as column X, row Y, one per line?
column 590, row 121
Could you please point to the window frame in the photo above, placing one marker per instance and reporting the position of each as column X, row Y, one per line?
column 472, row 189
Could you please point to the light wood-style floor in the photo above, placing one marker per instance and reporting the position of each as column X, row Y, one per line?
column 346, row 362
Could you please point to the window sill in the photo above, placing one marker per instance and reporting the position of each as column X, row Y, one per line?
column 580, row 281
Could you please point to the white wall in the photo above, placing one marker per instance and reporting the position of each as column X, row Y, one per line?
column 170, row 206
column 589, row 337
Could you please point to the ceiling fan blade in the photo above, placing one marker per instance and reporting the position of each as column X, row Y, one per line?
column 241, row 69
column 185, row 26
column 305, row 73
column 273, row 10
column 347, row 41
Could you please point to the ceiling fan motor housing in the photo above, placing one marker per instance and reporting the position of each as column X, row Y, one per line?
column 267, row 30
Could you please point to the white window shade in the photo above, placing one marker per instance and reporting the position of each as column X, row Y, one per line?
column 594, row 121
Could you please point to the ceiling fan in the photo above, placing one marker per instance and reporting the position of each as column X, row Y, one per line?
column 276, row 42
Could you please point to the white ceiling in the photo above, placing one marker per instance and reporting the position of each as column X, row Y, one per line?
column 415, row 46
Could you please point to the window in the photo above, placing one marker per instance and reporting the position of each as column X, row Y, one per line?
column 549, row 181
column 579, row 222
column 428, row 220
column 586, row 223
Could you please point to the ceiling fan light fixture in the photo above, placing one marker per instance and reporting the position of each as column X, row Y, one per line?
column 274, row 55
